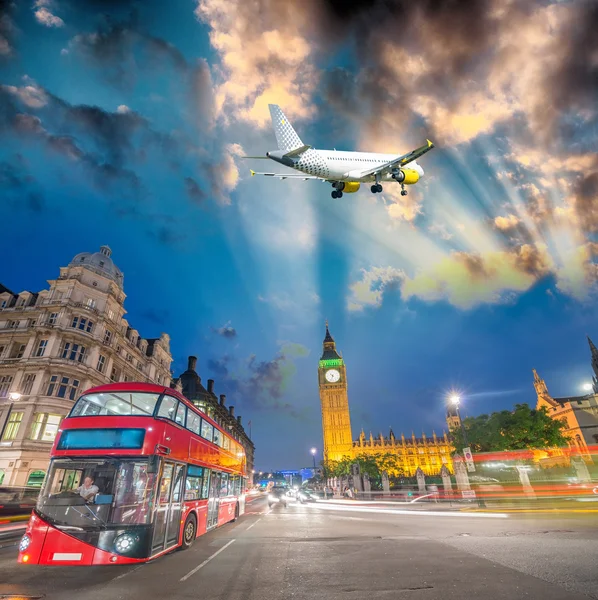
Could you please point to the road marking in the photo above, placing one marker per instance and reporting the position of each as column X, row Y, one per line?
column 128, row 573
column 254, row 523
column 268, row 512
column 206, row 561
column 429, row 513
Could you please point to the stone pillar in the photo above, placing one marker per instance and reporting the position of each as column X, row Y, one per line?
column 461, row 474
column 421, row 480
column 446, row 480
column 528, row 490
column 367, row 486
column 581, row 470
column 385, row 482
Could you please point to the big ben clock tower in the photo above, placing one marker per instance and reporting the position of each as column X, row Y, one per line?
column 336, row 422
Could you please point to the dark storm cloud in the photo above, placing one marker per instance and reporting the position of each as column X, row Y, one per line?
column 226, row 331
column 195, row 193
column 586, row 201
column 158, row 316
column 473, row 263
column 573, row 85
column 18, row 186
column 7, row 29
column 219, row 367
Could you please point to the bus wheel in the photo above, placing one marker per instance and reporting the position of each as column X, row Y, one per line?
column 189, row 531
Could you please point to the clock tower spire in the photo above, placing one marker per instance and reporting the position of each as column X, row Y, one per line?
column 336, row 421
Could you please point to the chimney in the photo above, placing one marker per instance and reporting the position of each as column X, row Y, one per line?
column 192, row 363
column 239, row 420
column 222, row 399
column 210, row 386
column 231, row 410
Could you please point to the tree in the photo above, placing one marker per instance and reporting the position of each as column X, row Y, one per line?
column 520, row 429
column 371, row 465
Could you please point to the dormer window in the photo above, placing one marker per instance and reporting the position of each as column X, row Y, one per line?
column 101, row 263
column 82, row 259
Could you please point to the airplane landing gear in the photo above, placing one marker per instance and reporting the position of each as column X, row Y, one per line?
column 376, row 188
column 403, row 190
column 337, row 194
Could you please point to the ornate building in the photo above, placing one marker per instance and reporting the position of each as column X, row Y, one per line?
column 56, row 343
column 428, row 453
column 215, row 407
column 580, row 413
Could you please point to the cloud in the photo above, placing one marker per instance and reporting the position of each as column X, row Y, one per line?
column 195, row 193
column 7, row 29
column 45, row 17
column 227, row 331
column 506, row 223
column 31, row 94
column 122, row 109
column 262, row 60
column 467, row 280
column 19, row 187
column 261, row 385
column 370, row 289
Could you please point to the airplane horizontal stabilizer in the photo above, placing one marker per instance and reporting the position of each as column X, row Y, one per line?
column 297, row 152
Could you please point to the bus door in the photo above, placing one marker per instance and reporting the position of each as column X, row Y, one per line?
column 168, row 507
column 213, row 500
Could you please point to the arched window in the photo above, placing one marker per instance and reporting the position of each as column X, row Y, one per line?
column 36, row 478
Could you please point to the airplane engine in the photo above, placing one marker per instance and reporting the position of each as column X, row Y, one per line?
column 407, row 176
column 348, row 186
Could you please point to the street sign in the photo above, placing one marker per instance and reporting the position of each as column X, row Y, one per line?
column 469, row 494
column 469, row 459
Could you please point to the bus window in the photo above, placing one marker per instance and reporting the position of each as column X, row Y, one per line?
column 194, row 483
column 181, row 414
column 207, row 430
column 223, row 484
column 165, row 483
column 194, row 422
column 217, row 437
column 119, row 404
column 205, row 488
column 168, row 407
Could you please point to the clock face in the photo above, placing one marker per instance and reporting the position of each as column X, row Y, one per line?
column 332, row 375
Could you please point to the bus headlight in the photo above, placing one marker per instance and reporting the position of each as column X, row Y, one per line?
column 125, row 543
column 24, row 543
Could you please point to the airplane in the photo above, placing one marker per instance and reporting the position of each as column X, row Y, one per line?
column 346, row 171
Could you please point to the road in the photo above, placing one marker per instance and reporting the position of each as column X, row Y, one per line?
column 334, row 551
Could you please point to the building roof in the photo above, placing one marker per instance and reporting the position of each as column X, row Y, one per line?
column 563, row 401
column 101, row 263
column 329, row 351
column 5, row 289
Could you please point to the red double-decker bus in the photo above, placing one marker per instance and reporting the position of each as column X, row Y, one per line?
column 136, row 471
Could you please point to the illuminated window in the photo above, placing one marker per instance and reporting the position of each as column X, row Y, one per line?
column 12, row 426
column 45, row 427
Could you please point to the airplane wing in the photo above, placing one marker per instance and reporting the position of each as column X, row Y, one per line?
column 400, row 161
column 287, row 175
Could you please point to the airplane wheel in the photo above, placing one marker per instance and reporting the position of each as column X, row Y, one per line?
column 334, row 194
column 403, row 192
column 374, row 189
column 339, row 194
column 378, row 188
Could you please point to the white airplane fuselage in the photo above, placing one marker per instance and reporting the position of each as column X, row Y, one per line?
column 341, row 166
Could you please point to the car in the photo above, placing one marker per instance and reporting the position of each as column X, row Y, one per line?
column 306, row 496
column 277, row 496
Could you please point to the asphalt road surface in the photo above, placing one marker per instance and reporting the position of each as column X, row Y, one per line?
column 334, row 551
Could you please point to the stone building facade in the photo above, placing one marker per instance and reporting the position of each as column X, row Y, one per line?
column 429, row 453
column 215, row 407
column 580, row 413
column 56, row 343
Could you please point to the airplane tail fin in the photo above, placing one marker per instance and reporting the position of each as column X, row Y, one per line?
column 286, row 136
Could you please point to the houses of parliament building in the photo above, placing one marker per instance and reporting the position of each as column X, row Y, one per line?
column 427, row 453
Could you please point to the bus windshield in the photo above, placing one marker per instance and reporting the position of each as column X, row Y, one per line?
column 117, row 404
column 95, row 493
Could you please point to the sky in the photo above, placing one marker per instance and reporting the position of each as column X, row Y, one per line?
column 124, row 123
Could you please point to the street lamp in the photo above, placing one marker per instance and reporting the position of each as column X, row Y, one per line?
column 13, row 396
column 313, row 454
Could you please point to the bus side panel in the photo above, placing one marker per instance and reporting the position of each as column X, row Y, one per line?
column 226, row 510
